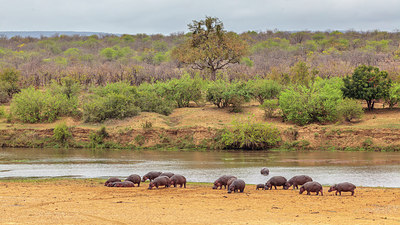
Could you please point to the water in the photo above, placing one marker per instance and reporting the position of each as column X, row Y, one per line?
column 361, row 168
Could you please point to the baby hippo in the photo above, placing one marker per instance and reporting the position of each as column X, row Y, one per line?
column 265, row 171
column 222, row 181
column 276, row 181
column 178, row 179
column 345, row 187
column 123, row 184
column 134, row 178
column 111, row 180
column 298, row 180
column 262, row 186
column 167, row 174
column 311, row 186
column 151, row 175
column 236, row 185
column 160, row 181
column 230, row 181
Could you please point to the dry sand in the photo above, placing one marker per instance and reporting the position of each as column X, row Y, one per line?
column 89, row 202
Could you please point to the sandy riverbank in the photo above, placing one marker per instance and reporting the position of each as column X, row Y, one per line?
column 89, row 202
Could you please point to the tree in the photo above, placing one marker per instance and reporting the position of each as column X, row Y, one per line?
column 210, row 47
column 367, row 83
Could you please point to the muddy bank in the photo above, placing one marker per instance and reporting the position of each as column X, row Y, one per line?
column 311, row 137
column 89, row 202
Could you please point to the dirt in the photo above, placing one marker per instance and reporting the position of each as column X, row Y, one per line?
column 89, row 202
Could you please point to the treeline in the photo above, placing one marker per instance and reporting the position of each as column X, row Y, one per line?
column 98, row 60
column 302, row 99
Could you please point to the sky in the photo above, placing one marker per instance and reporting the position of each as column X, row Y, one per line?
column 172, row 16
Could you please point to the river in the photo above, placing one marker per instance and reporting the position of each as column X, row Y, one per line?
column 373, row 169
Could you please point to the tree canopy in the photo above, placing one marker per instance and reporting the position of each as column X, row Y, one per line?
column 367, row 83
column 210, row 47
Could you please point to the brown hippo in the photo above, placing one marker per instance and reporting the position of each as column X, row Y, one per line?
column 345, row 187
column 121, row 184
column 265, row 171
column 230, row 181
column 236, row 185
column 151, row 175
column 160, row 181
column 262, row 186
column 167, row 174
column 222, row 181
column 311, row 186
column 112, row 180
column 276, row 181
column 298, row 180
column 178, row 179
column 134, row 178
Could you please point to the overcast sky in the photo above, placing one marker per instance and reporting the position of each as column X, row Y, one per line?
column 170, row 16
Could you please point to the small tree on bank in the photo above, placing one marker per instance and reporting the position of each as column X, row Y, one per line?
column 367, row 83
column 210, row 47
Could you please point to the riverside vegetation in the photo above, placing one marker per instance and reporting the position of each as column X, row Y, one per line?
column 305, row 94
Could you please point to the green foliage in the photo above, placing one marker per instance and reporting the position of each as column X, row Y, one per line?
column 350, row 109
column 318, row 103
column 247, row 61
column 2, row 111
column 269, row 106
column 250, row 135
column 377, row 46
column 97, row 137
column 72, row 52
column 61, row 133
column 34, row 106
column 149, row 100
column 8, row 84
column 223, row 94
column 68, row 90
column 262, row 89
column 394, row 95
column 301, row 74
column 115, row 100
column 115, row 52
column 367, row 83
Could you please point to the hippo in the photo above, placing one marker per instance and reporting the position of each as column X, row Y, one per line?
column 178, row 179
column 262, row 186
column 160, row 181
column 276, row 181
column 265, row 171
column 311, row 186
column 222, row 181
column 230, row 181
column 151, row 175
column 345, row 187
column 134, row 178
column 121, row 184
column 112, row 180
column 236, row 185
column 298, row 180
column 167, row 174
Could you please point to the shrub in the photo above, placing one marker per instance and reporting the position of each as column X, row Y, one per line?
column 216, row 93
column 97, row 137
column 318, row 103
column 8, row 84
column 34, row 106
column 394, row 95
column 61, row 133
column 262, row 89
column 269, row 106
column 2, row 112
column 250, row 135
column 150, row 101
column 350, row 109
column 223, row 94
column 113, row 101
column 69, row 90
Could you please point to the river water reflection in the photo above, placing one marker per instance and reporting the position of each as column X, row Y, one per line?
column 361, row 168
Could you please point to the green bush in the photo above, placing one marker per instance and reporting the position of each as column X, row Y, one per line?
column 262, row 89
column 69, row 90
column 394, row 95
column 216, row 93
column 269, row 106
column 8, row 84
column 2, row 112
column 113, row 101
column 97, row 137
column 318, row 103
column 34, row 106
column 350, row 109
column 150, row 101
column 61, row 134
column 250, row 135
column 223, row 94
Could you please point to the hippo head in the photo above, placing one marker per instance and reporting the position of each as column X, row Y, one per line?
column 230, row 189
column 144, row 178
column 110, row 184
column 268, row 185
column 151, row 185
column 332, row 188
column 302, row 189
column 216, row 184
column 172, row 182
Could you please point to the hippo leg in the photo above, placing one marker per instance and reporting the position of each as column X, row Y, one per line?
column 336, row 192
column 275, row 187
column 322, row 194
column 138, row 184
column 184, row 185
column 352, row 193
column 241, row 190
column 340, row 193
column 308, row 193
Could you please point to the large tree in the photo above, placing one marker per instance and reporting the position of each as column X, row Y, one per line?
column 210, row 47
column 367, row 83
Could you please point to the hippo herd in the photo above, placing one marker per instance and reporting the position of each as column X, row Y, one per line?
column 231, row 183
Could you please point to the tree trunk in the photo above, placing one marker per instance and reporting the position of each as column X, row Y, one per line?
column 370, row 104
column 213, row 74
